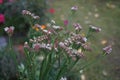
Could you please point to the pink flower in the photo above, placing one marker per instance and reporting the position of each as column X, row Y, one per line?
column 1, row 1
column 65, row 22
column 9, row 30
column 108, row 49
column 36, row 46
column 2, row 18
column 77, row 26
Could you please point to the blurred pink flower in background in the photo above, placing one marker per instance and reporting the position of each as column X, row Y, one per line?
column 1, row 1
column 65, row 22
column 2, row 18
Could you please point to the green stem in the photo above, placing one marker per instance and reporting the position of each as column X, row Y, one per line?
column 28, row 64
column 10, row 43
column 58, row 61
column 88, row 34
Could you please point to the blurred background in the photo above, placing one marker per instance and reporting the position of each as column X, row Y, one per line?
column 102, row 13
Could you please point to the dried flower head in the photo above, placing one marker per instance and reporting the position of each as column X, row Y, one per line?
column 9, row 30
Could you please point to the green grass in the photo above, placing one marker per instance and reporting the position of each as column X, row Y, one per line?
column 108, row 13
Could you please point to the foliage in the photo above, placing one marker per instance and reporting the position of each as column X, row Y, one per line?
column 12, row 11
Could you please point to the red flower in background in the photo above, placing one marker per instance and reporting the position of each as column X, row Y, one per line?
column 51, row 10
column 1, row 1
column 2, row 18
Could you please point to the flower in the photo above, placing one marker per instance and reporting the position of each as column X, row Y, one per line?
column 52, row 21
column 1, row 1
column 107, row 49
column 36, row 46
column 43, row 27
column 36, row 27
column 26, row 12
column 65, row 22
column 35, row 17
column 26, row 45
column 94, row 29
column 56, row 27
column 51, row 10
column 74, row 8
column 9, row 30
column 77, row 26
column 2, row 18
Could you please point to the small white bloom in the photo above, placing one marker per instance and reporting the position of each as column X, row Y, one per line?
column 48, row 24
column 74, row 8
column 52, row 21
column 45, row 31
column 56, row 27
column 96, row 29
column 49, row 46
column 9, row 30
column 83, row 77
column 6, row 28
column 85, row 39
column 61, row 44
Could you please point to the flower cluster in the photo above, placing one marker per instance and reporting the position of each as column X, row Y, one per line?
column 26, row 12
column 71, row 52
column 39, row 39
column 77, row 26
column 37, row 27
column 61, row 48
